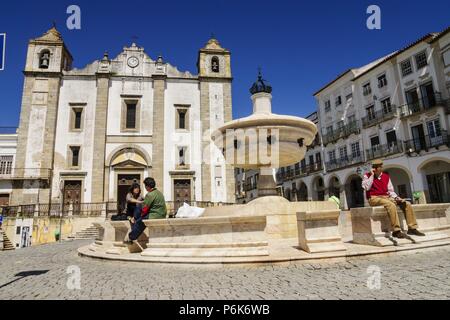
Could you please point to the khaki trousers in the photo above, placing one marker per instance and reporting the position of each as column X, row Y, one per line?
column 391, row 207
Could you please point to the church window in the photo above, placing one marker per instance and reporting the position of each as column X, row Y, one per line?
column 215, row 66
column 76, row 118
column 44, row 59
column 131, row 116
column 182, row 117
column 75, row 156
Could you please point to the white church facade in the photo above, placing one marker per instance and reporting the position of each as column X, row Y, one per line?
column 86, row 134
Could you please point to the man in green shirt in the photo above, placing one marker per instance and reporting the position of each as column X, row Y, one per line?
column 154, row 207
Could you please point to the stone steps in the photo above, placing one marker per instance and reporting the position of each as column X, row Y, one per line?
column 7, row 244
column 88, row 233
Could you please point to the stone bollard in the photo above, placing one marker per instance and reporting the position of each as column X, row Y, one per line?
column 318, row 231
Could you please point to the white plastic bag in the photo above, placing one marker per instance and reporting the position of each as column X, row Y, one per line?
column 186, row 211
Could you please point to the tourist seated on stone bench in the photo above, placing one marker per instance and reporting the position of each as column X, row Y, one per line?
column 154, row 207
column 134, row 202
column 380, row 192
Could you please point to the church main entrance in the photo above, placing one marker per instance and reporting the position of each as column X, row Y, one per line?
column 123, row 185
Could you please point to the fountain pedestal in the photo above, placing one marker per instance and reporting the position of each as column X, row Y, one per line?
column 266, row 183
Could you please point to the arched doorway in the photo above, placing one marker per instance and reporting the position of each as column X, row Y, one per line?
column 126, row 166
column 334, row 188
column 401, row 182
column 437, row 178
column 318, row 189
column 354, row 192
column 302, row 192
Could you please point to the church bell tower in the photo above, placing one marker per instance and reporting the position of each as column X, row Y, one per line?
column 47, row 59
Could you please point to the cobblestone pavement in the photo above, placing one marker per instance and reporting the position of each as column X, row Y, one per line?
column 42, row 273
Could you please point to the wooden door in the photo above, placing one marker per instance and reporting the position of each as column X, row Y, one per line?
column 4, row 200
column 182, row 193
column 72, row 195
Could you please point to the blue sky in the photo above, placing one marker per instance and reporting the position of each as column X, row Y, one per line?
column 300, row 45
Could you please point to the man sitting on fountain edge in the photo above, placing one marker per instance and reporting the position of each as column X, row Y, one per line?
column 154, row 207
column 380, row 192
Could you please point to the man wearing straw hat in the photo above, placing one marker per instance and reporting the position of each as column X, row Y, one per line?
column 380, row 192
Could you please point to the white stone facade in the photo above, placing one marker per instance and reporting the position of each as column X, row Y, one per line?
column 92, row 131
column 357, row 124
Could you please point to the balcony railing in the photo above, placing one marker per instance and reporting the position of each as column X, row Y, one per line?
column 427, row 142
column 384, row 150
column 26, row 173
column 342, row 132
column 344, row 162
column 300, row 172
column 422, row 104
column 378, row 117
column 87, row 209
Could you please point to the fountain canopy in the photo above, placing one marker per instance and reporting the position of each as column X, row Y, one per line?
column 264, row 139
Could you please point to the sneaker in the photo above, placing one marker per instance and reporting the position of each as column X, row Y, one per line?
column 398, row 234
column 415, row 232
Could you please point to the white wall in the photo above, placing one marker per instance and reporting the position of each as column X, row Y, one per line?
column 75, row 91
column 137, row 88
column 182, row 92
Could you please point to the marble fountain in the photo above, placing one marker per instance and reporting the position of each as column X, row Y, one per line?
column 269, row 229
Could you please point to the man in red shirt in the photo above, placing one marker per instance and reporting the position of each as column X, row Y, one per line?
column 380, row 192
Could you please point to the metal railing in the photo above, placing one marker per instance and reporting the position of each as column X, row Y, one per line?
column 27, row 210
column 344, row 162
column 378, row 116
column 52, row 209
column 9, row 211
column 300, row 172
column 342, row 132
column 427, row 142
column 89, row 209
column 384, row 150
column 422, row 104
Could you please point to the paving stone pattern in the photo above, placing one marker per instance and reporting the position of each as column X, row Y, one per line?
column 416, row 275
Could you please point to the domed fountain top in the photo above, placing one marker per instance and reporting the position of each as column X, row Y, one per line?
column 250, row 136
column 260, row 85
